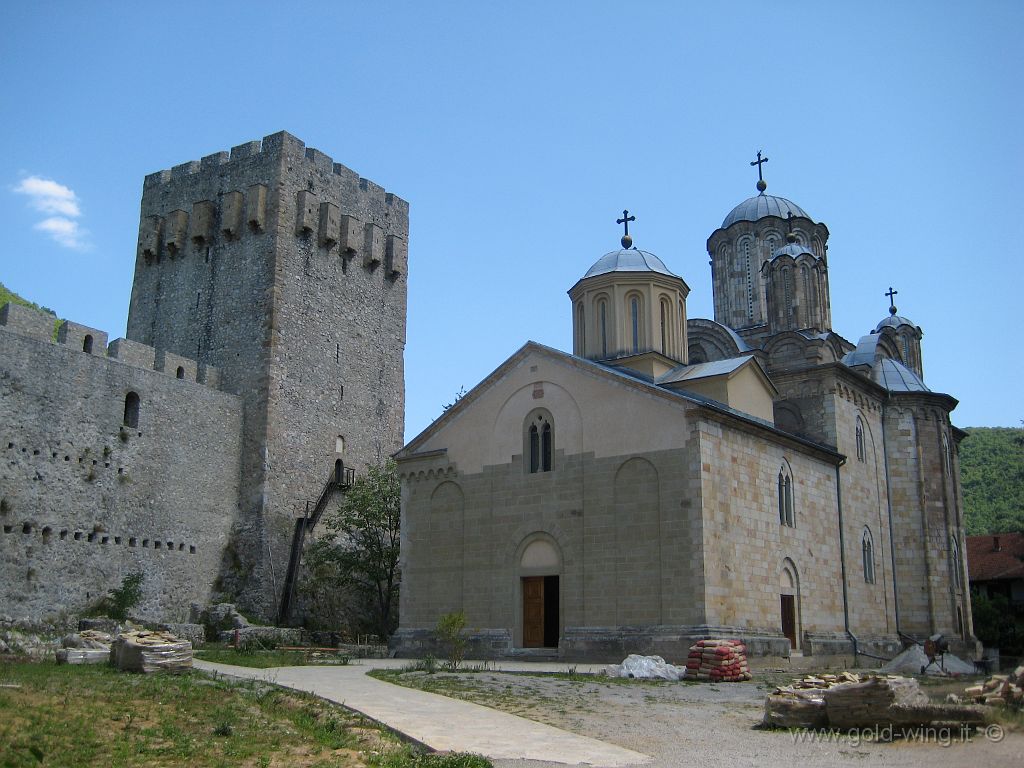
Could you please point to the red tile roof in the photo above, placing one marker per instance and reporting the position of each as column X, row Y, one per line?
column 987, row 563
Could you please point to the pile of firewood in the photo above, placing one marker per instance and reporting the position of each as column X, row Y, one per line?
column 999, row 690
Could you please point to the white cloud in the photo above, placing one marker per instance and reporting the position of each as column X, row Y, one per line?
column 50, row 197
column 64, row 231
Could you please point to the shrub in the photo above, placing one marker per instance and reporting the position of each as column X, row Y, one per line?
column 449, row 634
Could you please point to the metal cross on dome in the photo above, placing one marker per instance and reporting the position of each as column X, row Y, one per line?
column 761, row 185
column 626, row 218
column 892, row 304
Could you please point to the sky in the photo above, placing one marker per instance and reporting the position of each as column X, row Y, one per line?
column 519, row 132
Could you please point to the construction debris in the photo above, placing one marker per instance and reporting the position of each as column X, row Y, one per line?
column 145, row 651
column 718, row 660
column 645, row 668
column 801, row 704
column 914, row 661
column 999, row 690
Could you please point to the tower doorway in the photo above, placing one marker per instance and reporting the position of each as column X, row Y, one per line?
column 540, row 611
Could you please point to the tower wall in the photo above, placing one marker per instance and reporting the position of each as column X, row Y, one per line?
column 288, row 272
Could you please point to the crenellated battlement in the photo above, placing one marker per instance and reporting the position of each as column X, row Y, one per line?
column 25, row 321
column 225, row 198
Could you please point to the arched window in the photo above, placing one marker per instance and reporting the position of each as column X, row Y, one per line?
column 131, row 410
column 957, row 566
column 906, row 351
column 582, row 326
column 180, row 373
column 602, row 320
column 87, row 344
column 540, row 443
column 867, row 551
column 805, row 302
column 339, row 444
column 786, row 516
column 860, row 439
column 664, row 327
column 947, row 456
column 634, row 318
column 787, row 289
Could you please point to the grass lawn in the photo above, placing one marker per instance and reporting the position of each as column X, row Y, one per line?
column 70, row 716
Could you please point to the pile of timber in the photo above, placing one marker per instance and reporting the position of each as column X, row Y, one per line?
column 718, row 660
column 145, row 651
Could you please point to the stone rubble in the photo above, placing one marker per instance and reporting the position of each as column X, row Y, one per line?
column 999, row 690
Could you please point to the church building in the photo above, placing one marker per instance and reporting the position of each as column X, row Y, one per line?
column 756, row 475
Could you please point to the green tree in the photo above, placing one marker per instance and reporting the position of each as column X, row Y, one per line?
column 360, row 552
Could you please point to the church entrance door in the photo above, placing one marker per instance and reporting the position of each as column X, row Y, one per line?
column 789, row 618
column 540, row 611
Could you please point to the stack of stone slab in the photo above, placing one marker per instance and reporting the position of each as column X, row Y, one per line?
column 145, row 651
column 1000, row 690
column 89, row 646
column 718, row 660
column 847, row 701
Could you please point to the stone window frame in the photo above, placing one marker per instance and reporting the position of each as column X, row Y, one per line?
column 867, row 552
column 635, row 307
column 132, row 409
column 956, row 564
column 860, row 439
column 539, row 442
column 787, row 503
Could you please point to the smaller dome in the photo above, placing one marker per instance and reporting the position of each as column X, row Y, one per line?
column 792, row 249
column 896, row 377
column 628, row 260
column 894, row 321
column 762, row 205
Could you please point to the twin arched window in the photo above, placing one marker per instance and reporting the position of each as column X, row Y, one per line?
column 867, row 551
column 786, row 514
column 540, row 443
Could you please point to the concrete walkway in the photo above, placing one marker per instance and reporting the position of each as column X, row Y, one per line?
column 440, row 722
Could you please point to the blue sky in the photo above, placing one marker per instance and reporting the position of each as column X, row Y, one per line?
column 518, row 132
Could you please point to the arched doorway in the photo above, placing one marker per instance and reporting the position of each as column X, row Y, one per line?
column 540, row 566
column 789, row 599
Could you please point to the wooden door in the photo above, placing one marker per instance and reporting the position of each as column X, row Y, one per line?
column 533, row 611
column 789, row 618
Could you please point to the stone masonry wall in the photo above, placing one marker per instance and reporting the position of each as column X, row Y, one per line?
column 87, row 500
column 288, row 272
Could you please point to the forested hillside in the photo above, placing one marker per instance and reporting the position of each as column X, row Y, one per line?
column 992, row 473
column 7, row 295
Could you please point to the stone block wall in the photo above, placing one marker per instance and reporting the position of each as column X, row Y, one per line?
column 85, row 500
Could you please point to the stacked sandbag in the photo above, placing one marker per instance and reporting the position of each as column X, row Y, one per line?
column 89, row 646
column 145, row 651
column 718, row 660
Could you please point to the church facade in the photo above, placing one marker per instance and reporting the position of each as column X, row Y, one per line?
column 755, row 475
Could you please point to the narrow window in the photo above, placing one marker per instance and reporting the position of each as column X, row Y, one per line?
column 789, row 502
column 955, row 551
column 87, row 344
column 131, row 410
column 582, row 326
column 545, row 448
column 634, row 311
column 860, row 439
column 604, row 329
column 782, row 498
column 180, row 373
column 867, row 548
column 664, row 328
column 534, row 449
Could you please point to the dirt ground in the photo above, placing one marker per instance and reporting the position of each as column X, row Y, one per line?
column 715, row 724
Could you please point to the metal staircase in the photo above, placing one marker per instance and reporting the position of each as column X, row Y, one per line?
column 341, row 480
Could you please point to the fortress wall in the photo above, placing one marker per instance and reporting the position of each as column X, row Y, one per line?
column 84, row 500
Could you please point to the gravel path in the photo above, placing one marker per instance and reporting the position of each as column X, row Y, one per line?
column 709, row 724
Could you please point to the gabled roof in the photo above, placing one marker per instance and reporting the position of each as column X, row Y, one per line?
column 996, row 557
column 727, row 367
column 622, row 376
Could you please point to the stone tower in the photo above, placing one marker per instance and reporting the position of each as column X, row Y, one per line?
column 287, row 272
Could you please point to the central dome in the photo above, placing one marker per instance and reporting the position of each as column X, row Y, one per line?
column 762, row 205
column 628, row 260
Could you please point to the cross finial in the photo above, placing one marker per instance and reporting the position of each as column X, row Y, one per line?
column 892, row 306
column 627, row 241
column 761, row 186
